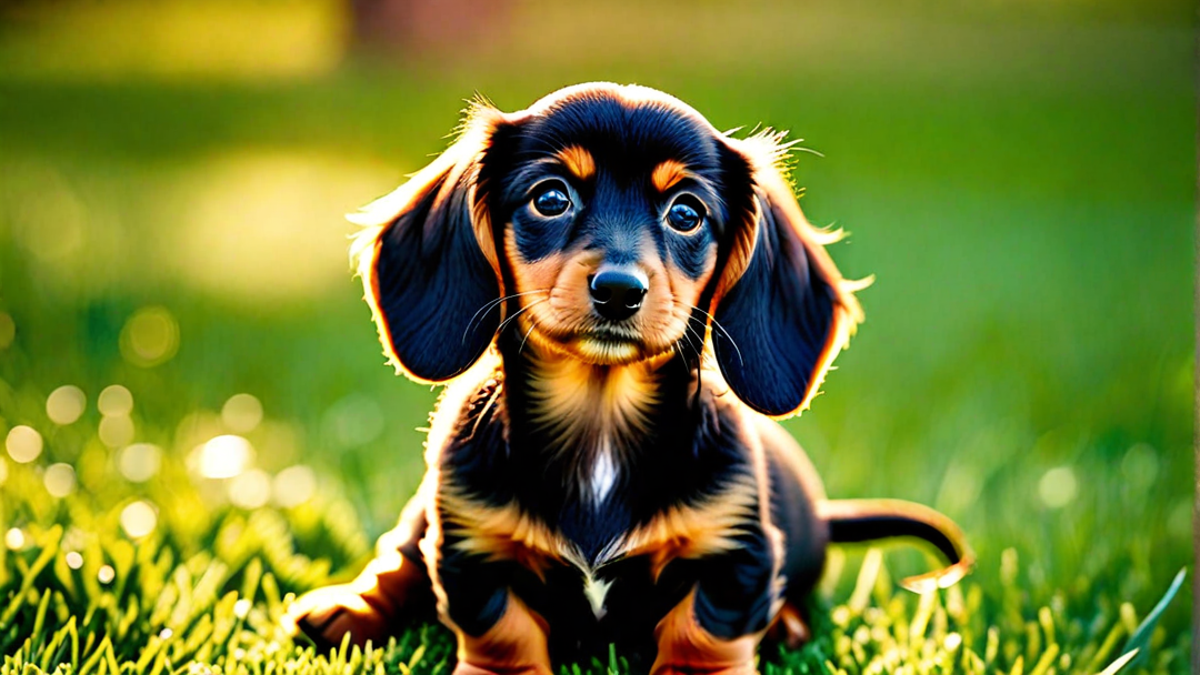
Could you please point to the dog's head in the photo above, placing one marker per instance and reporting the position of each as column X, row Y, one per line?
column 611, row 224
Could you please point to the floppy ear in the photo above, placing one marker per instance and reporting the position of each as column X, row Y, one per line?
column 783, row 310
column 428, row 261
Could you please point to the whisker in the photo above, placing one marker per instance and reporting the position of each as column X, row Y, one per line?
column 725, row 332
column 687, row 338
column 698, row 357
column 687, row 326
column 532, row 325
column 682, row 357
column 493, row 304
column 519, row 312
column 690, row 334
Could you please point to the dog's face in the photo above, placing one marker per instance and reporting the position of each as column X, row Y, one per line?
column 608, row 224
column 610, row 216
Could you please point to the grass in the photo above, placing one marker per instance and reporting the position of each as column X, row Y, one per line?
column 219, row 612
column 1023, row 192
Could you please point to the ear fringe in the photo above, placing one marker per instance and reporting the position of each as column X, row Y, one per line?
column 826, row 237
column 768, row 156
column 374, row 218
column 479, row 111
column 768, row 149
column 470, row 139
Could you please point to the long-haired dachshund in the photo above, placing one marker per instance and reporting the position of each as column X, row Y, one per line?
column 621, row 299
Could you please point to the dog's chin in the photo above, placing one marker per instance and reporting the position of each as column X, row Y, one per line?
column 607, row 351
column 603, row 348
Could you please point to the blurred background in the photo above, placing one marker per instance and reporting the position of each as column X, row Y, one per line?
column 181, row 337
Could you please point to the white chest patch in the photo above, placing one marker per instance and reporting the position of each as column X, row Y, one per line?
column 596, row 591
column 603, row 475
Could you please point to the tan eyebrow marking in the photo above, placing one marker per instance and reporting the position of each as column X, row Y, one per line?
column 667, row 174
column 578, row 161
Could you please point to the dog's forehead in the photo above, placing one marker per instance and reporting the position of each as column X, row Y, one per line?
column 620, row 130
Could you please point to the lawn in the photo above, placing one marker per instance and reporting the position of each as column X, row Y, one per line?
column 198, row 423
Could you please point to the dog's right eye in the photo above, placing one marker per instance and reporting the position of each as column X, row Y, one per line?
column 552, row 200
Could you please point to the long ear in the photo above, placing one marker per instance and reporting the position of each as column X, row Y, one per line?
column 783, row 311
column 428, row 261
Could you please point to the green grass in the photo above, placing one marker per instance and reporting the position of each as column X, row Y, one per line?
column 1023, row 191
column 220, row 611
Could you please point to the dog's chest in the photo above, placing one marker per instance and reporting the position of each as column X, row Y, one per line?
column 597, row 462
column 592, row 419
column 592, row 481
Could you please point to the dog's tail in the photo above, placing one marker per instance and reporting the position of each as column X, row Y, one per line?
column 859, row 520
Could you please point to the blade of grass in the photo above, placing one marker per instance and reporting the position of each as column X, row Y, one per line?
column 1116, row 666
column 1140, row 640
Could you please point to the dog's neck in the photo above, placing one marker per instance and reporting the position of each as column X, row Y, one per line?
column 592, row 420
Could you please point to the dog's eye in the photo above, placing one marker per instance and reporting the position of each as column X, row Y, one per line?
column 685, row 214
column 552, row 200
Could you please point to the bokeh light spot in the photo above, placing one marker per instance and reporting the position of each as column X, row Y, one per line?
column 74, row 560
column 59, row 480
column 251, row 489
column 353, row 421
column 1179, row 522
column 1058, row 487
column 14, row 539
column 150, row 337
column 24, row 444
column 116, row 431
column 115, row 401
column 65, row 404
column 54, row 228
column 1140, row 466
column 294, row 485
column 3, row 470
column 138, row 519
column 8, row 330
column 140, row 462
column 242, row 413
column 106, row 574
column 74, row 539
column 225, row 456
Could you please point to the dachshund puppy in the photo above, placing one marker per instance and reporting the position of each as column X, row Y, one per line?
column 621, row 300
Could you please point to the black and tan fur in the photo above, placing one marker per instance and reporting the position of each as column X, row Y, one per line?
column 594, row 481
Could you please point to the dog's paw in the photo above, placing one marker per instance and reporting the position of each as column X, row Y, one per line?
column 326, row 615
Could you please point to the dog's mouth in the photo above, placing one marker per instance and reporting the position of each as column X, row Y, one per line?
column 603, row 345
column 609, row 345
column 611, row 334
column 607, row 351
column 600, row 344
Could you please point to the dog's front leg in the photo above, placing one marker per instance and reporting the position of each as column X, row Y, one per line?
column 497, row 632
column 716, row 629
column 514, row 645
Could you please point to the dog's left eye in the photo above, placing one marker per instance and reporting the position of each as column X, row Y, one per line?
column 552, row 200
column 685, row 214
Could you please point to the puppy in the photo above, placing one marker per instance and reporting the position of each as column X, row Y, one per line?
column 621, row 300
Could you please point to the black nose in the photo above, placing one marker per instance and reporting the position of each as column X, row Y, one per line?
column 617, row 294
